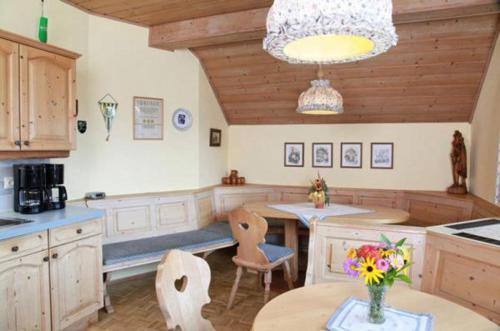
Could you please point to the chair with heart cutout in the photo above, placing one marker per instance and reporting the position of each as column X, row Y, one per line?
column 182, row 285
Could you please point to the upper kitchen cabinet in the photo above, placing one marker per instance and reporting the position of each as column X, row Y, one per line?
column 37, row 99
column 9, row 95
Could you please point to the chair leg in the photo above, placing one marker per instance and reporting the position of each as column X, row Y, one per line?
column 288, row 274
column 239, row 272
column 268, row 276
column 107, row 299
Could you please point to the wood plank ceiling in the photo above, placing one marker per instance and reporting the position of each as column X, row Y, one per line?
column 433, row 75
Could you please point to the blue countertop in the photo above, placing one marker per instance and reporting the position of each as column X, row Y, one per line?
column 47, row 220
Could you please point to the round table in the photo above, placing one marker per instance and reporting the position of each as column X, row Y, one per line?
column 379, row 215
column 309, row 308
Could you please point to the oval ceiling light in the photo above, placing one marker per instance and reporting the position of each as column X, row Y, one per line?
column 321, row 98
column 329, row 31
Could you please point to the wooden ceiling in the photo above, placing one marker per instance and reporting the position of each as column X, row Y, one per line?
column 433, row 75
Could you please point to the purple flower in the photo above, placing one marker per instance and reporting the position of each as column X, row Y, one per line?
column 350, row 266
column 383, row 265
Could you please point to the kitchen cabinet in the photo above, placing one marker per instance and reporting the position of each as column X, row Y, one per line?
column 37, row 99
column 76, row 281
column 51, row 285
column 25, row 293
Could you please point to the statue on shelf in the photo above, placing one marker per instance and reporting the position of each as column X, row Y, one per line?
column 458, row 165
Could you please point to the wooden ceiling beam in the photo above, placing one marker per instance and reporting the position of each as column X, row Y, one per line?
column 251, row 24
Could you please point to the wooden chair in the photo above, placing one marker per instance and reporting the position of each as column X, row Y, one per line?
column 249, row 229
column 182, row 285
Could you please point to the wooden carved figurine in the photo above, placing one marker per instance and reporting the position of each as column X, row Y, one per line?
column 458, row 165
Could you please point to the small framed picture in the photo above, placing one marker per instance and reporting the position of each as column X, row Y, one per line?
column 148, row 118
column 294, row 154
column 215, row 137
column 351, row 155
column 322, row 155
column 382, row 156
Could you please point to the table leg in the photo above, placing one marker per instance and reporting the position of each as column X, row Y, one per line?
column 292, row 241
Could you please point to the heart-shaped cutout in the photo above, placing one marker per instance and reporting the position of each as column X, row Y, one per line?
column 181, row 284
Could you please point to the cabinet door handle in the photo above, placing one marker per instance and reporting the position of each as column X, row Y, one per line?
column 79, row 231
column 17, row 142
column 55, row 256
column 76, row 109
column 46, row 259
column 15, row 248
column 26, row 143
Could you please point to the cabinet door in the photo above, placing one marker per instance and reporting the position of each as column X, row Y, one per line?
column 47, row 100
column 9, row 95
column 25, row 293
column 76, row 281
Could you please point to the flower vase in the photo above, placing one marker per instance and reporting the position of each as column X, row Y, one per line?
column 319, row 205
column 376, row 305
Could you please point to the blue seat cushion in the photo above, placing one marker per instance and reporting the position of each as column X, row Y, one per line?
column 214, row 234
column 275, row 252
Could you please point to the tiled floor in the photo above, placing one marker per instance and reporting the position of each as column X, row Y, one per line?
column 136, row 307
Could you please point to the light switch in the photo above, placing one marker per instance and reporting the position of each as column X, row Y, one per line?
column 8, row 183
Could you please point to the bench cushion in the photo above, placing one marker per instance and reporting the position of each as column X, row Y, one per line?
column 275, row 252
column 215, row 234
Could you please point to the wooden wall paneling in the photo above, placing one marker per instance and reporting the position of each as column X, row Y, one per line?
column 230, row 198
column 9, row 95
column 205, row 207
column 329, row 243
column 463, row 271
column 175, row 214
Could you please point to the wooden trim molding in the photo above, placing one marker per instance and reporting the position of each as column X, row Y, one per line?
column 21, row 155
column 36, row 44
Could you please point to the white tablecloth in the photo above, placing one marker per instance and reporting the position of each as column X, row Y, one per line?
column 353, row 316
column 306, row 211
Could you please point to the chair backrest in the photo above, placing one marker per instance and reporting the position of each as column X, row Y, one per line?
column 249, row 229
column 182, row 285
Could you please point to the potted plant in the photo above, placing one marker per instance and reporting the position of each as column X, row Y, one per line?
column 318, row 192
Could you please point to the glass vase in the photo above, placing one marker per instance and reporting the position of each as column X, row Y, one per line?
column 376, row 305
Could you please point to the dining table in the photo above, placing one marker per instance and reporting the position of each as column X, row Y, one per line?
column 376, row 215
column 309, row 308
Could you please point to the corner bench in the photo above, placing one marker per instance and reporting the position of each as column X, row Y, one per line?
column 133, row 253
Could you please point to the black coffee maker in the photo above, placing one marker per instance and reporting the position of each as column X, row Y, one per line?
column 38, row 187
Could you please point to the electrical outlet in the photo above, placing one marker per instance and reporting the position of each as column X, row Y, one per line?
column 8, row 183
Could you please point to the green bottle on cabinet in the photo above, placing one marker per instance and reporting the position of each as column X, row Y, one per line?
column 42, row 28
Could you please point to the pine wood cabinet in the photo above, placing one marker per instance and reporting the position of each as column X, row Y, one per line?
column 37, row 99
column 76, row 281
column 24, row 293
column 51, row 287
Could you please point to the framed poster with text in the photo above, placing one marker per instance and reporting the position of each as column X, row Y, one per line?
column 148, row 118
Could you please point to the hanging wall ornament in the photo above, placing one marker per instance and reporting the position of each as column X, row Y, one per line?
column 108, row 107
column 43, row 25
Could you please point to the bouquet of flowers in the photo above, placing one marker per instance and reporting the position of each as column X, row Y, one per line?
column 380, row 266
column 318, row 192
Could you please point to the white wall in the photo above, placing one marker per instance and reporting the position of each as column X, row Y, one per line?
column 486, row 133
column 116, row 59
column 421, row 154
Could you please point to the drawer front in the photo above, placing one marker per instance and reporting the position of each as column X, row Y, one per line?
column 74, row 232
column 20, row 246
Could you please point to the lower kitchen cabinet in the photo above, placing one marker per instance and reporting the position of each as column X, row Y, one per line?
column 53, row 288
column 25, row 293
column 76, row 281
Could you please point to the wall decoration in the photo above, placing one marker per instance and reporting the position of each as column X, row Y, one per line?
column 81, row 126
column 382, row 156
column 322, row 155
column 108, row 107
column 215, row 137
column 458, row 165
column 294, row 154
column 351, row 155
column 233, row 179
column 182, row 119
column 148, row 118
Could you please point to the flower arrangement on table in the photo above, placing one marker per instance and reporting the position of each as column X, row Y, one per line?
column 380, row 266
column 318, row 192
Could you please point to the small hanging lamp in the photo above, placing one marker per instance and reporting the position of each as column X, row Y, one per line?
column 329, row 31
column 321, row 98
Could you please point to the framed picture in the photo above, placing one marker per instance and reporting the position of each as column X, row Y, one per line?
column 322, row 155
column 294, row 154
column 382, row 156
column 148, row 118
column 351, row 155
column 182, row 119
column 215, row 137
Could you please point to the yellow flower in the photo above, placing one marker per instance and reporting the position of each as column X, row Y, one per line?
column 370, row 271
column 351, row 253
column 387, row 253
column 407, row 258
